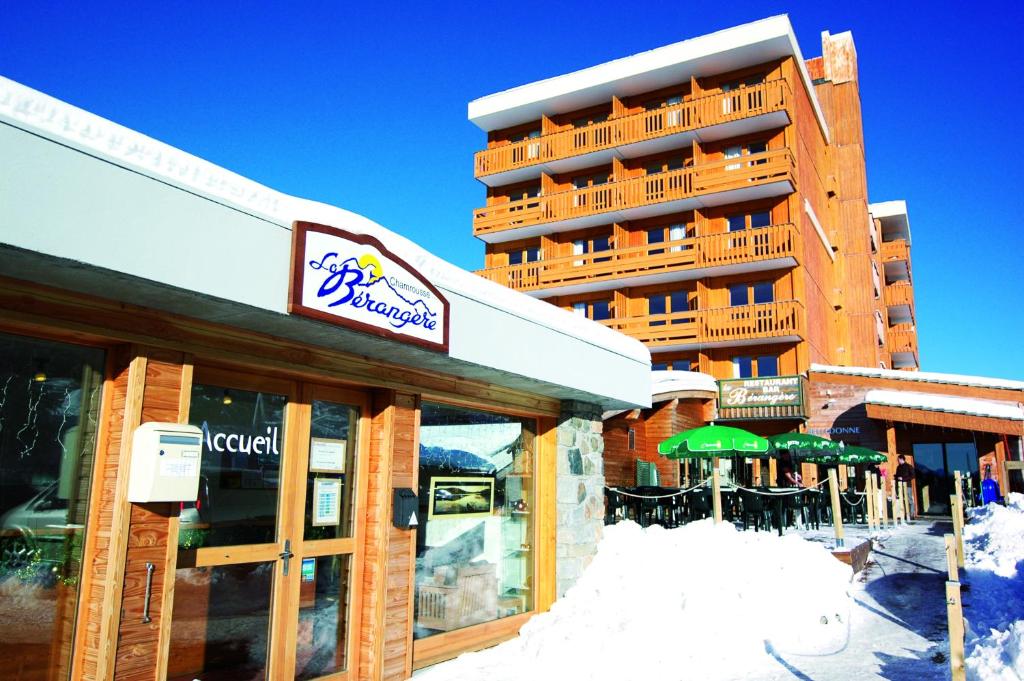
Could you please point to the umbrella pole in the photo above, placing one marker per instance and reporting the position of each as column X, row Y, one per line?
column 716, row 490
column 837, row 514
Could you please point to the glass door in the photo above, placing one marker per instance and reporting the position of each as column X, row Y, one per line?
column 266, row 552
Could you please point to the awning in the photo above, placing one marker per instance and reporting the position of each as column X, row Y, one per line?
column 945, row 411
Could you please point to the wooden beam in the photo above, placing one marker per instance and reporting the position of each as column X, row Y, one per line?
column 941, row 419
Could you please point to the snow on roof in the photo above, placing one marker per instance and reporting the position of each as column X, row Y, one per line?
column 107, row 140
column 664, row 382
column 731, row 48
column 922, row 377
column 946, row 403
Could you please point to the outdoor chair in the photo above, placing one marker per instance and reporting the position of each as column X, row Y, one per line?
column 752, row 505
column 854, row 506
column 812, row 508
column 700, row 504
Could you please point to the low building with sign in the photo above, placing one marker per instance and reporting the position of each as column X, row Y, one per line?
column 379, row 474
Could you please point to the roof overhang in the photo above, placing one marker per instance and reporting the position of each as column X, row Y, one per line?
column 727, row 50
column 894, row 218
column 945, row 411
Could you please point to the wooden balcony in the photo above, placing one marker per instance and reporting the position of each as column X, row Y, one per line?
column 717, row 109
column 899, row 293
column 641, row 196
column 896, row 250
column 902, row 338
column 685, row 255
column 767, row 322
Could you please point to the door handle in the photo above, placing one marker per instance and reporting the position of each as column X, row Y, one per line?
column 286, row 555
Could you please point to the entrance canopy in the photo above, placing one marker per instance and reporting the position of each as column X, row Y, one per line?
column 945, row 410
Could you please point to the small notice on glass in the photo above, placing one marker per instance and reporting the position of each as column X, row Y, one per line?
column 326, row 455
column 326, row 502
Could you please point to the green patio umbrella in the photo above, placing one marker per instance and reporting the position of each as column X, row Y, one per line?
column 713, row 442
column 804, row 445
column 854, row 454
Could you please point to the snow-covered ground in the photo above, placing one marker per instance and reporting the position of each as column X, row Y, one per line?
column 707, row 602
column 994, row 602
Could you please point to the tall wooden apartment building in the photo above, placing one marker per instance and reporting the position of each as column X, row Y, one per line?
column 708, row 198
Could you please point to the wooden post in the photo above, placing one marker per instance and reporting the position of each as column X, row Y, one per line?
column 955, row 616
column 926, row 502
column 837, row 515
column 869, row 502
column 716, row 490
column 958, row 528
column 951, row 564
column 880, row 501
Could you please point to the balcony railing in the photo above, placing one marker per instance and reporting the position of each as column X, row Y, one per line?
column 708, row 178
column 699, row 327
column 713, row 250
column 702, row 112
column 895, row 250
column 902, row 338
column 899, row 293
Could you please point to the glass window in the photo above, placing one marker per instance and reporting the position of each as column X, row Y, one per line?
column 601, row 309
column 580, row 309
column 761, row 218
column 656, row 236
column 680, row 301
column 681, row 365
column 764, row 292
column 474, row 552
column 532, row 254
column 602, row 243
column 323, row 600
column 739, row 295
column 742, row 367
column 768, row 365
column 737, row 223
column 631, row 438
column 243, row 437
column 659, row 366
column 515, row 258
column 656, row 304
column 332, row 432
column 49, row 416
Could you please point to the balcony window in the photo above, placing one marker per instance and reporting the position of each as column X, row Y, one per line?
column 742, row 367
column 523, row 255
column 749, row 149
column 739, row 294
column 763, row 293
column 665, row 165
column 659, row 366
column 761, row 218
column 682, row 365
column 593, row 119
column 673, row 302
column 737, row 223
column 743, row 221
column 597, row 244
column 768, row 365
column 657, row 305
column 656, row 236
column 600, row 310
column 525, row 135
column 584, row 181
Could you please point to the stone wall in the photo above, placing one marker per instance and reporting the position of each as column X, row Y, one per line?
column 580, row 490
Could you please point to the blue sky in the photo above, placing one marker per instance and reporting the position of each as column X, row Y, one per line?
column 364, row 107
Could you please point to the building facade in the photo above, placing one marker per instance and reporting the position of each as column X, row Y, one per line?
column 708, row 198
column 382, row 475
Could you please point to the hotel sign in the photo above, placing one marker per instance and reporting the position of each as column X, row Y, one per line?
column 352, row 280
column 777, row 396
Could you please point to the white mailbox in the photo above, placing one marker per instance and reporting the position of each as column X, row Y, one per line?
column 165, row 463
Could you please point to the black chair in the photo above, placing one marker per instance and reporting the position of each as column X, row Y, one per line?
column 792, row 504
column 700, row 504
column 812, row 508
column 752, row 506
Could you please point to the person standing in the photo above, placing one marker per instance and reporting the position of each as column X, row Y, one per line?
column 905, row 473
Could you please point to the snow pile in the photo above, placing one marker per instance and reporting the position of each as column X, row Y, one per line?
column 994, row 557
column 674, row 604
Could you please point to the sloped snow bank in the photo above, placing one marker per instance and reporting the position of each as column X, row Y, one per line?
column 994, row 561
column 697, row 602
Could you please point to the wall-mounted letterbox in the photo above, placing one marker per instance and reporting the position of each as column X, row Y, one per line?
column 404, row 506
column 165, row 463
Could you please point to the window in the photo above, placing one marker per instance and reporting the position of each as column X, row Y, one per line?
column 768, row 365
column 660, row 366
column 664, row 165
column 743, row 294
column 761, row 218
column 598, row 310
column 755, row 220
column 682, row 365
column 597, row 244
column 749, row 149
column 595, row 180
column 742, row 367
column 656, row 236
column 668, row 303
column 631, row 439
column 49, row 415
column 522, row 255
column 474, row 552
column 763, row 293
column 525, row 135
column 736, row 101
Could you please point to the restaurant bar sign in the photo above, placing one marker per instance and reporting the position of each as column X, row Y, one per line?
column 764, row 397
column 352, row 280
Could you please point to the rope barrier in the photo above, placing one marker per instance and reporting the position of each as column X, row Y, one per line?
column 660, row 496
column 798, row 490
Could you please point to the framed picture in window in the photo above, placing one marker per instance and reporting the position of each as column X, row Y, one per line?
column 461, row 497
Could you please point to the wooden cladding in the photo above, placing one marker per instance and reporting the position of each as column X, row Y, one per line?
column 741, row 172
column 714, row 250
column 716, row 109
column 902, row 338
column 700, row 327
column 899, row 293
column 896, row 250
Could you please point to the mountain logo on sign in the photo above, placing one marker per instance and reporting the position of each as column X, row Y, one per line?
column 360, row 283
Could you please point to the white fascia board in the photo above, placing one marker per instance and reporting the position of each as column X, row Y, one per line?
column 562, row 335
column 710, row 54
column 817, row 228
column 921, row 377
column 945, row 403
